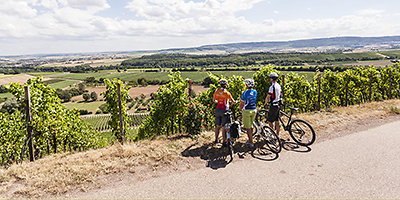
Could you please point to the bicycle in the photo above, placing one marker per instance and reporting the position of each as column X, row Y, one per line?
column 230, row 136
column 299, row 130
column 263, row 131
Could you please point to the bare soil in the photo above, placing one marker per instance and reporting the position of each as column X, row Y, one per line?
column 16, row 79
column 59, row 175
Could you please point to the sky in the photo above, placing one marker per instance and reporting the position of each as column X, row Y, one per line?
column 81, row 26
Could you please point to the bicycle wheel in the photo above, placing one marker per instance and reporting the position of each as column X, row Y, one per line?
column 272, row 140
column 302, row 132
column 262, row 115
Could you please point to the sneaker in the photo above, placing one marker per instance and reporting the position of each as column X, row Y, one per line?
column 251, row 145
column 224, row 144
column 216, row 141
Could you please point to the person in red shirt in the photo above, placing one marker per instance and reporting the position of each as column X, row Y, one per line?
column 222, row 98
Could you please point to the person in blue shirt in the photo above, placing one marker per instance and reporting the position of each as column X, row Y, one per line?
column 248, row 109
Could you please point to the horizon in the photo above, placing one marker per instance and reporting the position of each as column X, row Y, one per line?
column 42, row 27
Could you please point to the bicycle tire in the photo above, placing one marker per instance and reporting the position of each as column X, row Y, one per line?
column 262, row 117
column 300, row 130
column 271, row 139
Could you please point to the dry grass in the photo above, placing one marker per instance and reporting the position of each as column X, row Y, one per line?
column 60, row 173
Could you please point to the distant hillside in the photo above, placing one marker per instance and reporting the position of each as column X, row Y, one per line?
column 321, row 44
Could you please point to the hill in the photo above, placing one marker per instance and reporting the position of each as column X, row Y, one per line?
column 320, row 44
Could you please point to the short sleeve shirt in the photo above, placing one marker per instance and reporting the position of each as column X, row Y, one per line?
column 275, row 96
column 222, row 96
column 249, row 97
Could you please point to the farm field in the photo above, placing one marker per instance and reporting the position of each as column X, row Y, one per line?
column 91, row 106
column 194, row 76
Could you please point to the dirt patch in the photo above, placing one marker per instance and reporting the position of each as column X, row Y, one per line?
column 16, row 79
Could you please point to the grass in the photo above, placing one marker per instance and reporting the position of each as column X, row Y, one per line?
column 6, row 95
column 42, row 73
column 62, row 84
column 395, row 110
column 82, row 105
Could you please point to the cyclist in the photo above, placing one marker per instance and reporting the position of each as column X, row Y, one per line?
column 248, row 109
column 222, row 98
column 275, row 98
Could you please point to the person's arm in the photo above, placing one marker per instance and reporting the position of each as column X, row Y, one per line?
column 267, row 100
column 215, row 100
column 233, row 101
column 241, row 105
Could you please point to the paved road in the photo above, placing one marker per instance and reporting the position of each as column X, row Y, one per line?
column 360, row 165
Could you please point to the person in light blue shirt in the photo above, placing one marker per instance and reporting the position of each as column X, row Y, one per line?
column 248, row 109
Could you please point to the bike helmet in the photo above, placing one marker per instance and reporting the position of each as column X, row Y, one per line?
column 249, row 82
column 273, row 75
column 223, row 82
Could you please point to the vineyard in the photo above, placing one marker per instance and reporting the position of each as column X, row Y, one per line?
column 57, row 129
column 100, row 122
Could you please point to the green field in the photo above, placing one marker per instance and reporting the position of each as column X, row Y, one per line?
column 6, row 95
column 194, row 76
column 62, row 84
column 91, row 106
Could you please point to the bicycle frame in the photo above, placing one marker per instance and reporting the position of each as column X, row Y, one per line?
column 285, row 127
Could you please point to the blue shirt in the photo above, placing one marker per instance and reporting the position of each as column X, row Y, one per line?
column 249, row 97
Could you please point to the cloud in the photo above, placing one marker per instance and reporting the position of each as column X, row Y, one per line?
column 169, row 23
column 369, row 12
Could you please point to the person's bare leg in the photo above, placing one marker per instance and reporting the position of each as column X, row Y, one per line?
column 277, row 127
column 249, row 135
column 217, row 132
column 223, row 134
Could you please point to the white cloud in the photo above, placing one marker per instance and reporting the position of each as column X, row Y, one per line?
column 170, row 23
column 17, row 8
column 369, row 12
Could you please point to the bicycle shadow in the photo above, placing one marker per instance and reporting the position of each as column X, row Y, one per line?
column 262, row 152
column 219, row 157
column 293, row 146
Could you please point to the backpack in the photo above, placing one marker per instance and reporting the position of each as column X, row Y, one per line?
column 235, row 133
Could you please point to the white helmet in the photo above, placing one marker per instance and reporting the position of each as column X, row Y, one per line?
column 223, row 82
column 273, row 75
column 249, row 82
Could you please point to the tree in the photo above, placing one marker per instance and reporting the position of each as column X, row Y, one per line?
column 86, row 96
column 94, row 96
column 81, row 86
column 3, row 89
column 11, row 105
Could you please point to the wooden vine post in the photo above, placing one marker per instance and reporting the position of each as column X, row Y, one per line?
column 319, row 92
column 121, row 123
column 390, row 85
column 28, row 120
column 370, row 86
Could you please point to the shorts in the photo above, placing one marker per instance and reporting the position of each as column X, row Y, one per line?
column 273, row 113
column 220, row 118
column 248, row 117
